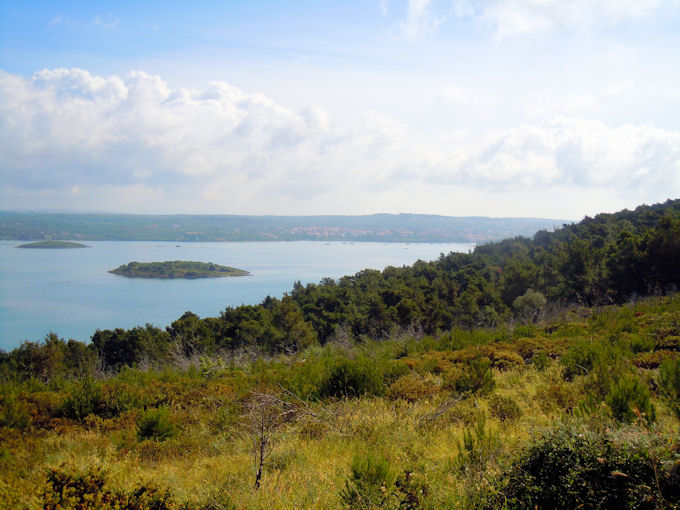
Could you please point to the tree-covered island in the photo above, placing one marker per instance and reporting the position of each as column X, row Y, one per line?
column 50, row 244
column 176, row 269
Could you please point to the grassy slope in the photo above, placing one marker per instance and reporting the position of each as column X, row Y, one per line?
column 406, row 421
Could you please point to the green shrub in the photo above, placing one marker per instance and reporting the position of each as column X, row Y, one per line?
column 574, row 467
column 504, row 408
column 637, row 344
column 352, row 378
column 370, row 484
column 88, row 490
column 156, row 424
column 475, row 377
column 669, row 343
column 556, row 395
column 14, row 413
column 629, row 398
column 540, row 361
column 669, row 383
column 580, row 358
column 413, row 387
column 84, row 398
column 478, row 447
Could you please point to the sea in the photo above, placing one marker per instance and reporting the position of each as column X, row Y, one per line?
column 71, row 293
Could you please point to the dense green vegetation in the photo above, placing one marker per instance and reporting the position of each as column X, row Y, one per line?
column 53, row 244
column 530, row 373
column 376, row 227
column 176, row 269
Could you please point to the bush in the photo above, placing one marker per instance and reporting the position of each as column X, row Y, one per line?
column 669, row 383
column 504, row 408
column 580, row 358
column 370, row 483
column 629, row 398
column 557, row 395
column 88, row 490
column 14, row 413
column 84, row 398
column 573, row 467
column 156, row 424
column 413, row 387
column 669, row 343
column 353, row 378
column 540, row 361
column 479, row 445
column 476, row 377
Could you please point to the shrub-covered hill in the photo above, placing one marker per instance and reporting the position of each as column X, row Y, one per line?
column 579, row 411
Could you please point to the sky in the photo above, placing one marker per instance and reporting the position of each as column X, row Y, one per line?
column 542, row 108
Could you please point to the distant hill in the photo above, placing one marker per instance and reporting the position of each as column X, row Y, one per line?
column 375, row 227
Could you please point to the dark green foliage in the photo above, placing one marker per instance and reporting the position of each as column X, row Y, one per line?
column 530, row 306
column 629, row 398
column 118, row 348
column 475, row 377
column 14, row 413
column 370, row 483
column 88, row 490
column 582, row 355
column 574, row 467
column 540, row 361
column 156, row 424
column 353, row 378
column 85, row 397
column 504, row 408
column 50, row 359
column 669, row 382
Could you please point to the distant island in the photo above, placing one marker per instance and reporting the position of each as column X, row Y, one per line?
column 176, row 269
column 49, row 244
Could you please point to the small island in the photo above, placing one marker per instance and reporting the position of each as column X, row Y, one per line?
column 49, row 245
column 176, row 269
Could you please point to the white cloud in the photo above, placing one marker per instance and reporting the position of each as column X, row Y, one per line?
column 519, row 17
column 70, row 139
column 421, row 18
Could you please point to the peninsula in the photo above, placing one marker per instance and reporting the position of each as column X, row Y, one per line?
column 176, row 269
column 49, row 244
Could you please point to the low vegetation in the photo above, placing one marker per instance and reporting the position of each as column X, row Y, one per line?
column 556, row 416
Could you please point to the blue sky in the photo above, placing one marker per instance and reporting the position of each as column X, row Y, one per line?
column 498, row 107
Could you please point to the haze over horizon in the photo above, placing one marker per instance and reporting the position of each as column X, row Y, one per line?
column 506, row 108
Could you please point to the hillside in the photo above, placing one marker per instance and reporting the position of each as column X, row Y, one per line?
column 530, row 373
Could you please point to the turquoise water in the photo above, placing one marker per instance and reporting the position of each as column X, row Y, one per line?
column 71, row 292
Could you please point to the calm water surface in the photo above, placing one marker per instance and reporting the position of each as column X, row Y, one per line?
column 71, row 292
